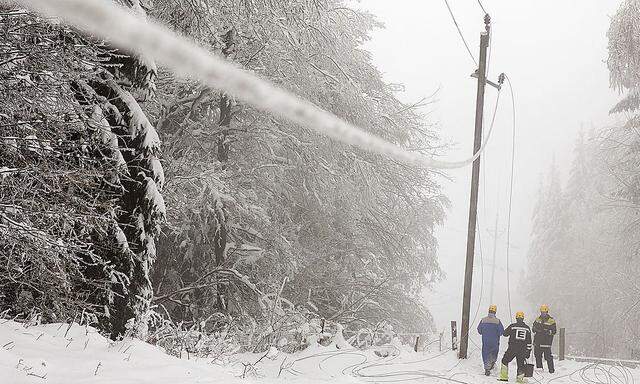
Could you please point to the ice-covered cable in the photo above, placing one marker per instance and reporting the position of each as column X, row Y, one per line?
column 128, row 31
column 513, row 155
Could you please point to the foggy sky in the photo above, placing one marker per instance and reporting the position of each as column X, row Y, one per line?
column 554, row 51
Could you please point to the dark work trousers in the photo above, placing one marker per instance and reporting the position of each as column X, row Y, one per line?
column 520, row 354
column 539, row 351
column 489, row 355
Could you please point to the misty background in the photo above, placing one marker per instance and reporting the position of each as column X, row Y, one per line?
column 554, row 53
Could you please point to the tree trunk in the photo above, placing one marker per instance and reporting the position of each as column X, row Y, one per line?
column 223, row 146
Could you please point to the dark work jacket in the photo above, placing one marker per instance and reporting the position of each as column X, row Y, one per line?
column 544, row 328
column 519, row 335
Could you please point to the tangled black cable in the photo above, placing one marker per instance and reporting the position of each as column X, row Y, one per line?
column 365, row 368
column 598, row 373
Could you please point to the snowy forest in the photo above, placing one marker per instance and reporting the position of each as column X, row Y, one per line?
column 147, row 204
column 584, row 256
column 268, row 196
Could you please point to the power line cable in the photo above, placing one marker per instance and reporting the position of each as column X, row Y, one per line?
column 513, row 152
column 484, row 189
column 185, row 57
column 475, row 317
column 464, row 41
column 486, row 138
column 482, row 7
column 483, row 170
column 495, row 242
column 490, row 48
column 478, row 232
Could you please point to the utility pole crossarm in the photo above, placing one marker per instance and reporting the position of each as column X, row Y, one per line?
column 497, row 85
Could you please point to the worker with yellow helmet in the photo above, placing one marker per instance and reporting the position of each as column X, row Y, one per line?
column 519, row 335
column 491, row 328
column 544, row 328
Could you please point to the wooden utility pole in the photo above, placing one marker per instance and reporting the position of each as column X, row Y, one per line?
column 475, row 178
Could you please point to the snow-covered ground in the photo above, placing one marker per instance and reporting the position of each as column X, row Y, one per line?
column 57, row 353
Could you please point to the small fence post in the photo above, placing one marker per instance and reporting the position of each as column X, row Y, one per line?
column 561, row 344
column 415, row 348
column 441, row 336
column 322, row 326
column 454, row 335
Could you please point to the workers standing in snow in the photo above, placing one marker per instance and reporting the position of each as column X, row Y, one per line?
column 544, row 328
column 491, row 329
column 519, row 335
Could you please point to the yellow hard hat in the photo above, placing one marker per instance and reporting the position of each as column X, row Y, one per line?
column 493, row 308
column 519, row 315
column 544, row 308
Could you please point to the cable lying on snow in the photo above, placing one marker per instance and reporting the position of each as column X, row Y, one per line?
column 128, row 31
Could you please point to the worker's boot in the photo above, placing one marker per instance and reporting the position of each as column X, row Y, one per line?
column 550, row 365
column 504, row 373
column 520, row 378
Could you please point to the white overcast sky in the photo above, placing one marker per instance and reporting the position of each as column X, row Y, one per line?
column 554, row 51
